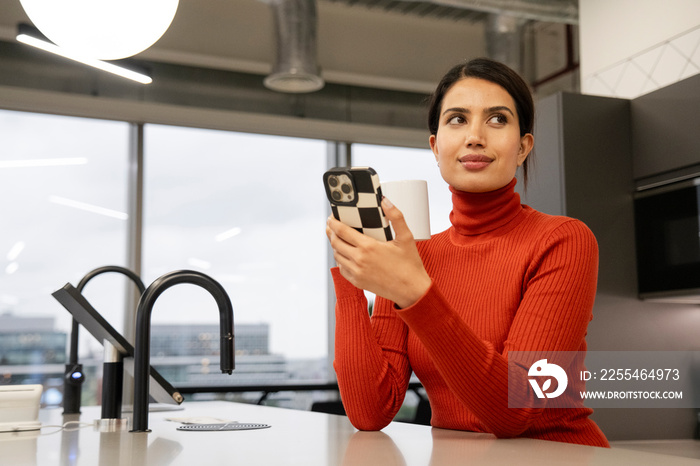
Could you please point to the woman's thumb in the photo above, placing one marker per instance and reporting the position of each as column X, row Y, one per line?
column 398, row 222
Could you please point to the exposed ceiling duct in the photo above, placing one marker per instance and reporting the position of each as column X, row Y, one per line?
column 504, row 34
column 295, row 69
column 553, row 11
column 504, row 21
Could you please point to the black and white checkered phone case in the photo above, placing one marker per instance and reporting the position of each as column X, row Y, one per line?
column 361, row 210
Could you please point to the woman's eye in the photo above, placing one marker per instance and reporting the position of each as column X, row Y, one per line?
column 498, row 119
column 456, row 120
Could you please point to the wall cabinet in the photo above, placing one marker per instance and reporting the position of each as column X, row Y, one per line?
column 666, row 132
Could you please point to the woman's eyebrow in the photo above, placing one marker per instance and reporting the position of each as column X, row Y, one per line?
column 456, row 109
column 498, row 108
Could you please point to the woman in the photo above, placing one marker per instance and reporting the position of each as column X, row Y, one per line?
column 504, row 279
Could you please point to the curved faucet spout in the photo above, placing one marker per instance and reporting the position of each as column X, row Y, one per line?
column 72, row 388
column 111, row 268
column 142, row 351
column 73, row 354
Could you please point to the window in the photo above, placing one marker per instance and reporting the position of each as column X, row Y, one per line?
column 63, row 184
column 247, row 210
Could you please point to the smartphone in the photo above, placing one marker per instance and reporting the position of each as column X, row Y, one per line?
column 355, row 196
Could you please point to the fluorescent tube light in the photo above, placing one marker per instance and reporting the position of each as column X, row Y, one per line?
column 43, row 162
column 200, row 263
column 24, row 37
column 88, row 207
column 15, row 251
column 228, row 234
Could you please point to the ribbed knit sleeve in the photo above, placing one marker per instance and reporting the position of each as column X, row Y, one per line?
column 370, row 358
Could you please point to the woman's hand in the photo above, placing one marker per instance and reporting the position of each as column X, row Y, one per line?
column 392, row 270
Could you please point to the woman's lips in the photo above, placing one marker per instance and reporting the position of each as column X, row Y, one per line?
column 475, row 162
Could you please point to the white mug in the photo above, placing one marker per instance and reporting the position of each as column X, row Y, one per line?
column 411, row 198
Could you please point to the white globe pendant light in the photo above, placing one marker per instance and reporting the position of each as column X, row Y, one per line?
column 102, row 29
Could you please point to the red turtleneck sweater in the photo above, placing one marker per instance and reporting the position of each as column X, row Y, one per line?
column 504, row 278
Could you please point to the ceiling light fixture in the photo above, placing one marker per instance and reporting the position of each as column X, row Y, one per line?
column 31, row 163
column 31, row 36
column 104, row 29
column 15, row 251
column 88, row 207
column 228, row 234
column 199, row 263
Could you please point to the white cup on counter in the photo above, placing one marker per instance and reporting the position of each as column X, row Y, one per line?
column 411, row 198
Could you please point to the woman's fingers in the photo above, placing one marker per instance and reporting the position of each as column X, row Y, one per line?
column 393, row 270
column 344, row 241
column 398, row 222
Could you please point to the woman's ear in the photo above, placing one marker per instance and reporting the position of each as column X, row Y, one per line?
column 433, row 145
column 526, row 144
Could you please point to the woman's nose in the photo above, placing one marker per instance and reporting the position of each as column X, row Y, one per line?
column 473, row 137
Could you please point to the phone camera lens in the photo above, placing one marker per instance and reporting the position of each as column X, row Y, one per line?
column 346, row 188
column 333, row 181
column 336, row 195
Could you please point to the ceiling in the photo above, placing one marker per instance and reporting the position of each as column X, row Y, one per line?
column 391, row 44
column 424, row 9
column 565, row 11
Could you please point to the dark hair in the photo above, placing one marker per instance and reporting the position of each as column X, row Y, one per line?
column 497, row 73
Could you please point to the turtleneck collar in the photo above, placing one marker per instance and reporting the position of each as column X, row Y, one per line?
column 479, row 213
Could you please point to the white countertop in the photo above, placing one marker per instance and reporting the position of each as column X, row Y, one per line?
column 294, row 438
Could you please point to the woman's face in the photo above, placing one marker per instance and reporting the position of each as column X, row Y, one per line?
column 478, row 145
